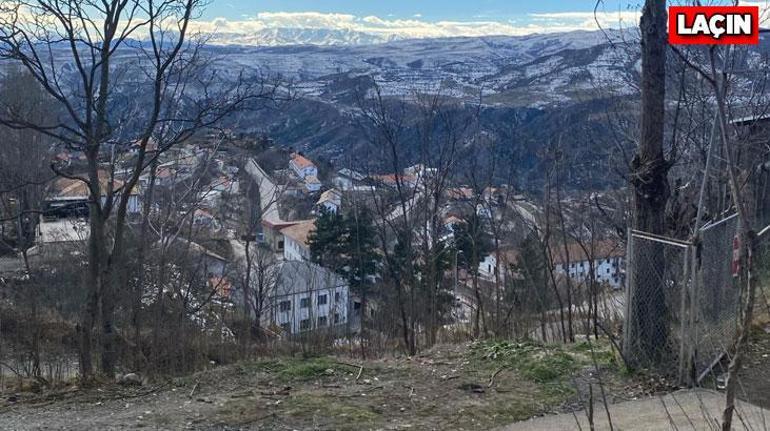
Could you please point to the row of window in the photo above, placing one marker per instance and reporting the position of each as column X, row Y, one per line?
column 598, row 273
column 598, row 262
column 321, row 299
column 304, row 324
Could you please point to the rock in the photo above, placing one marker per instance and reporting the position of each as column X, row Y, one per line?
column 130, row 379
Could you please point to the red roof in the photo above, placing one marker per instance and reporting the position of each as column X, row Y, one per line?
column 301, row 161
column 598, row 250
column 391, row 178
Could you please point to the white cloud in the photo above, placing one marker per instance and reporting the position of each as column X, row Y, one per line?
column 248, row 30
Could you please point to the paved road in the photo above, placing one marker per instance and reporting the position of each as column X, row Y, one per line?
column 684, row 410
column 268, row 192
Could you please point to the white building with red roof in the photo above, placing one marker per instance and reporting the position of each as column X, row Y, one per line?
column 302, row 166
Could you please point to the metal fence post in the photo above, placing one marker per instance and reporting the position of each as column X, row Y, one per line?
column 684, row 321
column 630, row 272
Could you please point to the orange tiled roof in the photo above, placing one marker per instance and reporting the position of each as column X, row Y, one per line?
column 301, row 161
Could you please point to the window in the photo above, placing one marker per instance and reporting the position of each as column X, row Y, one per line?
column 304, row 302
column 336, row 297
column 322, row 299
column 304, row 324
column 356, row 305
column 582, row 264
column 322, row 321
column 286, row 327
column 608, row 270
column 336, row 318
column 280, row 245
column 285, row 306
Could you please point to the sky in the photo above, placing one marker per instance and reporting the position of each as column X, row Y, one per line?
column 238, row 20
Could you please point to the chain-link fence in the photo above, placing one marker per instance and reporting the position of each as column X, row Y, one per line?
column 683, row 302
column 715, row 296
column 658, row 271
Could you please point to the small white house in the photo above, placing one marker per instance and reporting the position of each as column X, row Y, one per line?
column 608, row 263
column 489, row 266
column 307, row 297
column 302, row 166
column 295, row 242
column 312, row 184
column 331, row 200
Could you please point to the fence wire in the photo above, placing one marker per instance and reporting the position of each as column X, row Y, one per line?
column 657, row 273
column 715, row 295
column 683, row 303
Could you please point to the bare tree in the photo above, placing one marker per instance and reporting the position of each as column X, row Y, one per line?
column 649, row 179
column 114, row 94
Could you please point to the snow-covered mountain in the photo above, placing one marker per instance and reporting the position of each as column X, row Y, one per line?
column 534, row 71
column 284, row 36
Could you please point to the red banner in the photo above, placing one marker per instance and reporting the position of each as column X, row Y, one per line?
column 713, row 25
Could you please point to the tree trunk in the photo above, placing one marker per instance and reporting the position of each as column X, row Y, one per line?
column 650, row 190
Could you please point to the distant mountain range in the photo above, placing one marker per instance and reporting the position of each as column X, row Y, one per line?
column 547, row 87
column 546, row 84
column 282, row 36
column 532, row 71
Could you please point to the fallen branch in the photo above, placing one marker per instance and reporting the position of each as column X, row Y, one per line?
column 492, row 379
column 192, row 392
column 360, row 368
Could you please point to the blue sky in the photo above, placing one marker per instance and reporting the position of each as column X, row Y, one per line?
column 430, row 10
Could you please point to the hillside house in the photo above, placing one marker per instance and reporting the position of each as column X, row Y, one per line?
column 330, row 200
column 307, row 298
column 204, row 218
column 392, row 180
column 69, row 197
column 272, row 236
column 197, row 257
column 302, row 166
column 420, row 171
column 312, row 184
column 608, row 259
column 61, row 237
column 347, row 179
column 295, row 242
column 488, row 267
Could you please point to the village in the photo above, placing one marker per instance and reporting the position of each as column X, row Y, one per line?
column 346, row 216
column 222, row 198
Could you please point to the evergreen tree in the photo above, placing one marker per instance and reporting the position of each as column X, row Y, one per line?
column 360, row 249
column 328, row 241
column 345, row 244
column 473, row 244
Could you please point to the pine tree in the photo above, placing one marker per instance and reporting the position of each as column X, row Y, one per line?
column 360, row 250
column 328, row 241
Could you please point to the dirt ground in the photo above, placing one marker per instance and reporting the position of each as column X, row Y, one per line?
column 455, row 387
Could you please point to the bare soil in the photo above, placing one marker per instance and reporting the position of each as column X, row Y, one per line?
column 453, row 387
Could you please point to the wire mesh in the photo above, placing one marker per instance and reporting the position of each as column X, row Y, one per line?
column 657, row 277
column 716, row 297
column 683, row 301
